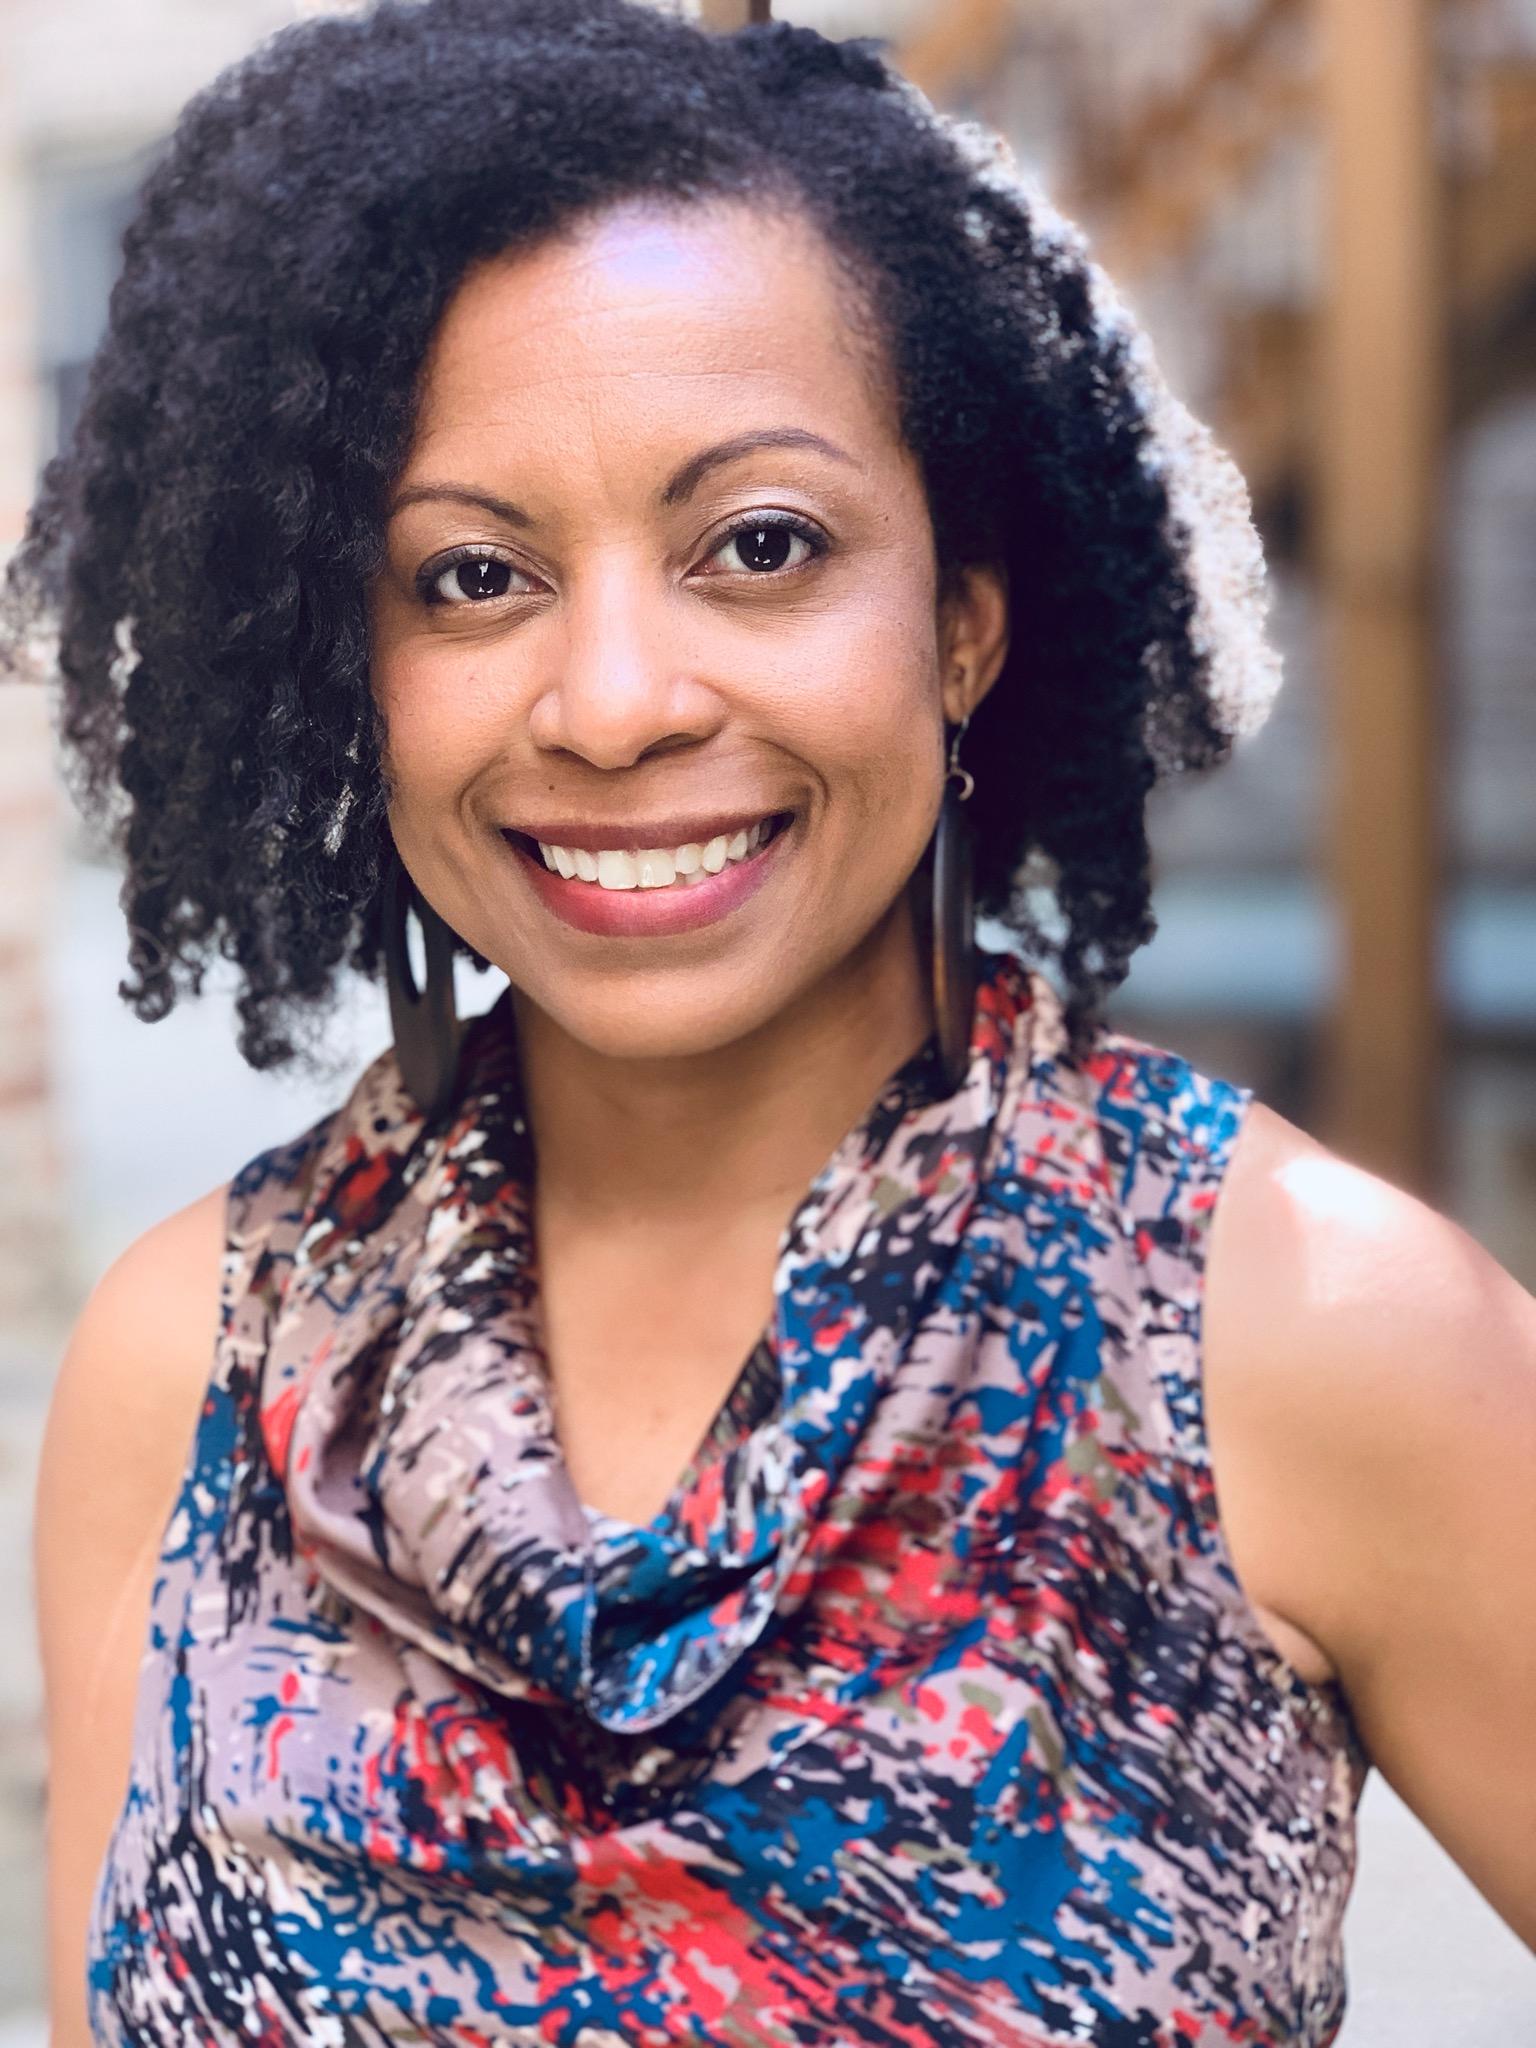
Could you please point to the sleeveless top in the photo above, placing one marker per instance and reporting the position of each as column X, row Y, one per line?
column 929, row 1708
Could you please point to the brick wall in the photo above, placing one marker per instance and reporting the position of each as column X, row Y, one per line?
column 32, row 1291
column 31, row 1209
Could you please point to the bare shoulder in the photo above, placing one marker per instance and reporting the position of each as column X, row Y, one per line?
column 137, row 1363
column 1327, row 1283
column 1350, row 1331
column 1353, row 1221
column 124, row 1404
column 1370, row 1376
column 120, row 1425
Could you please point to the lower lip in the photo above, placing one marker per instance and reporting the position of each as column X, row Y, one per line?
column 649, row 913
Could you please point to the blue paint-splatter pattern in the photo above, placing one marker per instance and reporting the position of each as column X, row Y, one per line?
column 929, row 1708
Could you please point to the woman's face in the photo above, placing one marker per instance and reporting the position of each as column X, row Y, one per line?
column 659, row 569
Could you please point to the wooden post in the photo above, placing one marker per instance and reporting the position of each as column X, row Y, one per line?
column 954, row 45
column 1383, row 379
column 725, row 15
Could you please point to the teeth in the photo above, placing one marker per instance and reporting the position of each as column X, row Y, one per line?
column 652, row 867
column 656, row 868
column 617, row 871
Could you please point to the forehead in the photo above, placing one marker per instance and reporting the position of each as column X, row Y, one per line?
column 699, row 309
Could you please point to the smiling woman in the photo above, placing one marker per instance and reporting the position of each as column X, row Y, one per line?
column 783, row 1483
column 592, row 633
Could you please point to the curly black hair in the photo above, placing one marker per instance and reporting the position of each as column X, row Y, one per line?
column 196, row 558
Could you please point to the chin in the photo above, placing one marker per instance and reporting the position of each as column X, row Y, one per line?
column 670, row 1022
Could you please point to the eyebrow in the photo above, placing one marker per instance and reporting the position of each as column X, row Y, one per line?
column 685, row 481
column 679, row 486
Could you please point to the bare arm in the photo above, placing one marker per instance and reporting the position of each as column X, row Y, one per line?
column 1371, row 1389
column 119, row 1429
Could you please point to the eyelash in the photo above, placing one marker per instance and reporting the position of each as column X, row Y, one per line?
column 428, row 578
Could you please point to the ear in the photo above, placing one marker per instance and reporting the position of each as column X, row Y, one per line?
column 973, row 636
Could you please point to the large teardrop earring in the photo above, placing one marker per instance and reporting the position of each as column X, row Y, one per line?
column 954, row 921
column 424, row 1020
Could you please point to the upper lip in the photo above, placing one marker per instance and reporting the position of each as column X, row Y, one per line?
column 650, row 835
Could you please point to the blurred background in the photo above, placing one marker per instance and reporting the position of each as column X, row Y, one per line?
column 1325, row 210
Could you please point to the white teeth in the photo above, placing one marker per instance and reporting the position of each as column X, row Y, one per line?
column 617, row 871
column 654, row 867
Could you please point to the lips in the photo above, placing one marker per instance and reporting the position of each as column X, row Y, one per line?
column 663, row 833
column 622, row 851
column 649, row 913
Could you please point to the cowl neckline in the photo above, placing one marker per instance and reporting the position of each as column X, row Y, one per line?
column 406, row 1405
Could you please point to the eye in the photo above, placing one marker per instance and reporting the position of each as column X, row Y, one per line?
column 765, row 544
column 467, row 576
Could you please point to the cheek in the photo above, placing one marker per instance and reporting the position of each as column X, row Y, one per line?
column 871, row 722
column 442, row 719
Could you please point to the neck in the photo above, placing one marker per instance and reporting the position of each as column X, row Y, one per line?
column 726, row 1132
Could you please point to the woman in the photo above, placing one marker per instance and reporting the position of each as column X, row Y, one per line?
column 677, row 512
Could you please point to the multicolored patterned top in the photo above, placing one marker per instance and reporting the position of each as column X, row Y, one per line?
column 929, row 1708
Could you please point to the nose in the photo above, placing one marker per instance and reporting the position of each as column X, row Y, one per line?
column 623, row 680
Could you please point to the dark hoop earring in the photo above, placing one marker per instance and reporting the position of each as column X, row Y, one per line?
column 424, row 1020
column 954, row 922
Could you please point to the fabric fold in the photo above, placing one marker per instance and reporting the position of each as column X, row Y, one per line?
column 407, row 1406
column 930, row 1704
